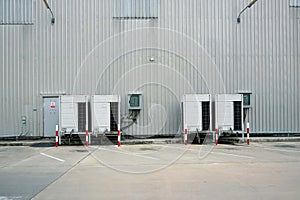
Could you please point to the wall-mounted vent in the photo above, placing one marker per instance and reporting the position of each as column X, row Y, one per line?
column 114, row 116
column 81, row 117
column 237, row 112
column 206, row 115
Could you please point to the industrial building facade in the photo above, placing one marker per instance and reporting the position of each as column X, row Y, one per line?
column 159, row 49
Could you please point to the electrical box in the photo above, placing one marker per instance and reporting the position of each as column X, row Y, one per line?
column 229, row 112
column 105, row 113
column 196, row 112
column 135, row 101
column 247, row 100
column 74, row 113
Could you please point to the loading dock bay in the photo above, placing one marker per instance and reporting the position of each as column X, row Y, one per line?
column 173, row 171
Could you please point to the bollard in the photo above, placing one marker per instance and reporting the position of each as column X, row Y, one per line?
column 119, row 138
column 56, row 136
column 248, row 133
column 86, row 136
column 217, row 136
column 185, row 137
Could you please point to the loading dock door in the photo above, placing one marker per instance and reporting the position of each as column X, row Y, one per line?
column 51, row 116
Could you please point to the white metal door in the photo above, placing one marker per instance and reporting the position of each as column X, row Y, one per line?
column 51, row 116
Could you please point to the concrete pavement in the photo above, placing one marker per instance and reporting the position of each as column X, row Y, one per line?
column 152, row 171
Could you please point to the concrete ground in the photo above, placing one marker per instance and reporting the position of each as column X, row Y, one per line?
column 151, row 171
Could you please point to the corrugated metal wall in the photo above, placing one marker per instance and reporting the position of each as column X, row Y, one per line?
column 15, row 12
column 136, row 9
column 197, row 47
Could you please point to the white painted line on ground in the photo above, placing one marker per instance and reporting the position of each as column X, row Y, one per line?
column 185, row 148
column 198, row 150
column 284, row 150
column 131, row 154
column 10, row 197
column 52, row 157
column 91, row 166
column 235, row 155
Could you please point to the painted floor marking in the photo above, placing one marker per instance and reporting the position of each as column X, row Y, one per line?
column 227, row 154
column 58, row 159
column 130, row 154
column 10, row 197
column 285, row 150
column 230, row 154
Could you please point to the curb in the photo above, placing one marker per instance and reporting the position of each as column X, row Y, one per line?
column 28, row 143
column 152, row 141
column 222, row 140
column 235, row 140
column 276, row 139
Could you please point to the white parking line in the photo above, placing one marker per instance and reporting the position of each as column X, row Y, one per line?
column 61, row 160
column 198, row 150
column 10, row 197
column 235, row 155
column 131, row 154
column 186, row 148
column 284, row 150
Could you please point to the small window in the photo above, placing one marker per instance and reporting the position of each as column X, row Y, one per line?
column 136, row 9
column 15, row 12
column 294, row 3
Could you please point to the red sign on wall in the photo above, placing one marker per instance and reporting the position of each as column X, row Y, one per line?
column 52, row 104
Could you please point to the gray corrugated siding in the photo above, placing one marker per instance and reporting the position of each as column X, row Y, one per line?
column 15, row 12
column 136, row 9
column 295, row 3
column 197, row 45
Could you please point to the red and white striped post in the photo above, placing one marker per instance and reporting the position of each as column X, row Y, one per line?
column 86, row 135
column 248, row 133
column 56, row 136
column 217, row 136
column 185, row 136
column 119, row 137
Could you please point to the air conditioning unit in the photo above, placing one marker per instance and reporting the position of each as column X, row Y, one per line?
column 74, row 114
column 229, row 113
column 105, row 113
column 196, row 112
